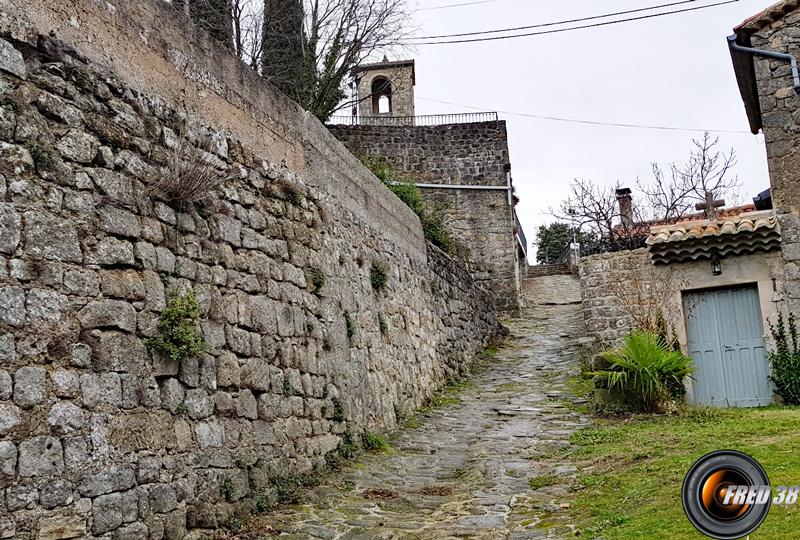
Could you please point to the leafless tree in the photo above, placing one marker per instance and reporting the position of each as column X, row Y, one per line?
column 704, row 177
column 590, row 207
column 336, row 36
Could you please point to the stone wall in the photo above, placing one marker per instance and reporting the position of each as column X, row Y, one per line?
column 607, row 278
column 471, row 154
column 781, row 128
column 104, row 438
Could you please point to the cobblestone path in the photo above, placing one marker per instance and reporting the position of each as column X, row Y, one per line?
column 475, row 469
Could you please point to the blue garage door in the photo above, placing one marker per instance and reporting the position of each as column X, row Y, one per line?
column 726, row 342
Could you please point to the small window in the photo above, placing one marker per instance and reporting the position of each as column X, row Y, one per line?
column 381, row 91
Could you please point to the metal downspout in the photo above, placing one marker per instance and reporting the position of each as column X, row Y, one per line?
column 768, row 54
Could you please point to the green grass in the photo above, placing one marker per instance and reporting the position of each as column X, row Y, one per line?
column 638, row 466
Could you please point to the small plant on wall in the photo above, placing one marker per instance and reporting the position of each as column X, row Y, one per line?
column 177, row 329
column 379, row 276
column 785, row 360
column 188, row 179
column 316, row 278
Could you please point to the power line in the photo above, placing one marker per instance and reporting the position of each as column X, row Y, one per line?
column 593, row 122
column 581, row 27
column 456, row 5
column 557, row 23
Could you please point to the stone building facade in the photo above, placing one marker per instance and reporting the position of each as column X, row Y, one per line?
column 773, row 107
column 385, row 90
column 470, row 154
column 101, row 437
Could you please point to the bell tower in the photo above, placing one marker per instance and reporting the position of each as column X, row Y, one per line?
column 385, row 89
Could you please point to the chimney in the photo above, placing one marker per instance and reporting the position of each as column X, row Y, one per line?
column 625, row 201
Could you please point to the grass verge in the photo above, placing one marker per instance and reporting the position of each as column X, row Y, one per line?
column 634, row 468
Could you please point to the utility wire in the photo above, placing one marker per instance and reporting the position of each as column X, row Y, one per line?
column 581, row 27
column 558, row 23
column 456, row 5
column 591, row 122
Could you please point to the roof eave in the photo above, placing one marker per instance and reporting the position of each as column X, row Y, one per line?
column 745, row 71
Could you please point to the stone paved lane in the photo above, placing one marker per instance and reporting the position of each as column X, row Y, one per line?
column 475, row 469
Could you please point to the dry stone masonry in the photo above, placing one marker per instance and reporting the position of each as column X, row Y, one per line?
column 101, row 437
column 469, row 154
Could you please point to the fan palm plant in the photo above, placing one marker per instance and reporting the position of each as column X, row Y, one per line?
column 642, row 372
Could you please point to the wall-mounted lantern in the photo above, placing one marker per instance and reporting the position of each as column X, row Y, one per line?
column 716, row 265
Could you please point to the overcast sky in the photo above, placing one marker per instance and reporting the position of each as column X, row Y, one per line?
column 673, row 70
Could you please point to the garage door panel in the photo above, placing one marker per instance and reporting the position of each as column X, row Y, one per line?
column 726, row 342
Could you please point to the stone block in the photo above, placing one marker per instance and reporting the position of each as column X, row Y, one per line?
column 78, row 146
column 61, row 526
column 50, row 237
column 6, row 385
column 198, row 404
column 116, row 351
column 56, row 493
column 228, row 372
column 209, row 434
column 115, row 478
column 12, row 305
column 172, row 395
column 30, row 386
column 80, row 355
column 108, row 313
column 246, row 405
column 122, row 284
column 10, row 226
column 65, row 417
column 82, row 282
column 45, row 306
column 99, row 390
column 106, row 513
column 66, row 383
column 112, row 251
column 41, row 456
column 11, row 60
column 162, row 498
column 8, row 459
column 120, row 222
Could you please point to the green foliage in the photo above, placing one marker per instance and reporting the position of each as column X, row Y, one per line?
column 373, row 442
column 177, row 329
column 287, row 386
column 43, row 157
column 432, row 217
column 378, row 276
column 226, row 489
column 785, row 360
column 338, row 410
column 382, row 326
column 642, row 372
column 317, row 279
column 262, row 502
column 234, row 523
column 349, row 325
column 345, row 450
column 552, row 240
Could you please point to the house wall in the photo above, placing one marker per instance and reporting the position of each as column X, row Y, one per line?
column 471, row 154
column 608, row 276
column 101, row 437
column 780, row 108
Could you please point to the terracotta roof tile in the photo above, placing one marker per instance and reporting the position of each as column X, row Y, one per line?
column 748, row 232
column 768, row 16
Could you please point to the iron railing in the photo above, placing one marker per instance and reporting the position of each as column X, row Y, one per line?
column 425, row 120
column 523, row 241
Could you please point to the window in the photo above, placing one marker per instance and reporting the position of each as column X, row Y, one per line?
column 381, row 91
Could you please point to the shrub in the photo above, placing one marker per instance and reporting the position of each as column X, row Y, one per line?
column 317, row 279
column 378, row 276
column 382, row 325
column 188, row 180
column 349, row 325
column 374, row 443
column 432, row 218
column 643, row 371
column 785, row 360
column 177, row 329
column 43, row 157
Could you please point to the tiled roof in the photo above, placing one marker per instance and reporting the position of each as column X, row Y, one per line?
column 768, row 16
column 642, row 228
column 745, row 233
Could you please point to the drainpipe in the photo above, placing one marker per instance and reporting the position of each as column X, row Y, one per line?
column 775, row 55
